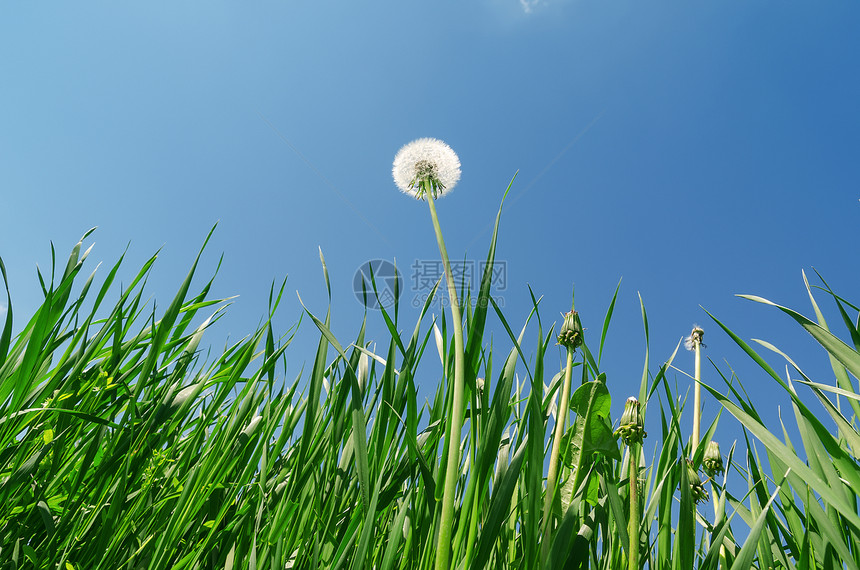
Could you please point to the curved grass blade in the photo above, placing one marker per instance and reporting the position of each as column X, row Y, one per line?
column 847, row 356
column 6, row 334
column 747, row 553
column 606, row 320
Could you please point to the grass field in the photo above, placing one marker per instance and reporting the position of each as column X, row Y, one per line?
column 124, row 445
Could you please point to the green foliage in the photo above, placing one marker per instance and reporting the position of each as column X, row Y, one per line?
column 122, row 447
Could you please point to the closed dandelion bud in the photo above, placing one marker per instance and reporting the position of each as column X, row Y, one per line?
column 696, row 487
column 632, row 428
column 571, row 331
column 479, row 386
column 713, row 461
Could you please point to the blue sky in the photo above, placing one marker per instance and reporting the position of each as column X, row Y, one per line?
column 694, row 149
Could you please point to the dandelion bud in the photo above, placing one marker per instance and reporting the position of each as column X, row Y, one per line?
column 571, row 331
column 632, row 428
column 713, row 461
column 479, row 391
column 696, row 487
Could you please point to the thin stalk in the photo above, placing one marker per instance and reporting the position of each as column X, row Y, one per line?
column 455, row 418
column 473, row 490
column 552, row 474
column 512, row 529
column 470, row 497
column 473, row 527
column 697, row 395
column 633, row 523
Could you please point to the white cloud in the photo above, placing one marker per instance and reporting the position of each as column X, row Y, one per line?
column 529, row 5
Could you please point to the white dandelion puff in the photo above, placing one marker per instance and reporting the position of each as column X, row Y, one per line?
column 426, row 160
column 696, row 336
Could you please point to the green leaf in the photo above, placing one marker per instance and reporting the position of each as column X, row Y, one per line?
column 846, row 355
column 591, row 432
column 787, row 456
column 748, row 550
column 500, row 507
column 606, row 320
column 685, row 546
column 6, row 332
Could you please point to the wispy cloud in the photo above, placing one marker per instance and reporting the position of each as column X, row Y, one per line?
column 529, row 5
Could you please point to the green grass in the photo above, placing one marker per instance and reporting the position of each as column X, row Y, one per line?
column 123, row 446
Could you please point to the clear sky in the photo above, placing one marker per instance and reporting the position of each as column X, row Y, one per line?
column 694, row 149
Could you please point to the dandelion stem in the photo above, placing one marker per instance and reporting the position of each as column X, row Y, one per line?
column 697, row 395
column 455, row 418
column 473, row 527
column 552, row 474
column 633, row 522
column 473, row 481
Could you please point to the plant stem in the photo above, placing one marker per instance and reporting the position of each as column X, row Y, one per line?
column 552, row 474
column 697, row 396
column 633, row 522
column 473, row 483
column 473, row 527
column 455, row 418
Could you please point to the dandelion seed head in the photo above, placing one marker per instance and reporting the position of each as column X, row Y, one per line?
column 696, row 336
column 429, row 160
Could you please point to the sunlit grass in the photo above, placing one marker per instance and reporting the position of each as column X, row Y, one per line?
column 123, row 446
